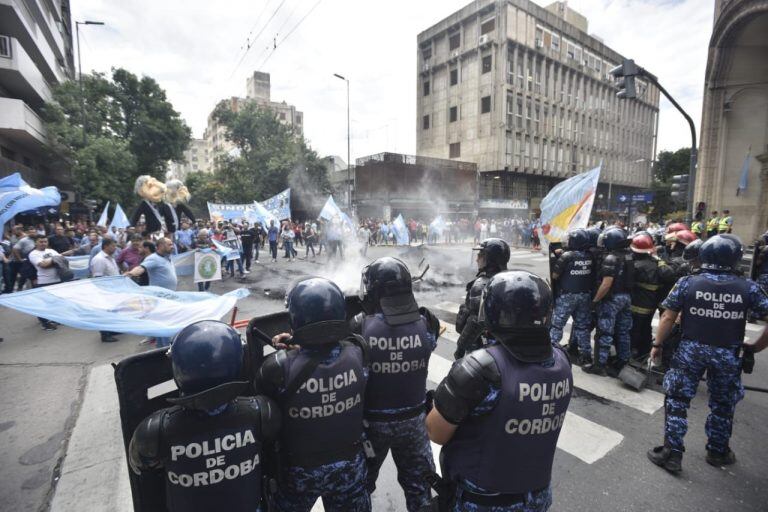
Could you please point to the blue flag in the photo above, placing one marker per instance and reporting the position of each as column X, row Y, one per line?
column 17, row 196
column 331, row 210
column 279, row 205
column 744, row 173
column 401, row 230
column 119, row 220
column 118, row 304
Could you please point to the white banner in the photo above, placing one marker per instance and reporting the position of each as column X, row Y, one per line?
column 207, row 266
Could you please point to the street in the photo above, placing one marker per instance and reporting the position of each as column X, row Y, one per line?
column 60, row 445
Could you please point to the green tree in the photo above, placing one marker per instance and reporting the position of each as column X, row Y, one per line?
column 204, row 187
column 270, row 157
column 668, row 164
column 129, row 129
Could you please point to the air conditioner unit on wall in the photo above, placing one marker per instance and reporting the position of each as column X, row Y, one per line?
column 455, row 54
column 539, row 43
column 425, row 68
column 484, row 39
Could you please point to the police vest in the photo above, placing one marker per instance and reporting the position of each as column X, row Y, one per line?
column 715, row 312
column 323, row 420
column 212, row 460
column 510, row 450
column 399, row 360
column 697, row 227
column 475, row 292
column 712, row 224
column 576, row 276
column 725, row 224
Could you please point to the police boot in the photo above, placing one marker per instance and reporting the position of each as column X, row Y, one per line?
column 584, row 360
column 718, row 459
column 573, row 351
column 595, row 369
column 667, row 458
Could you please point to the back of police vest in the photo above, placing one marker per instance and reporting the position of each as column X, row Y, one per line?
column 399, row 360
column 323, row 420
column 213, row 460
column 577, row 275
column 715, row 312
column 511, row 449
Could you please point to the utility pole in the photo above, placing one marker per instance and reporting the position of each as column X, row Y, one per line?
column 349, row 164
column 80, row 76
column 625, row 75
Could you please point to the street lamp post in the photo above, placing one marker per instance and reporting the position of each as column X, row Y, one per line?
column 349, row 163
column 80, row 73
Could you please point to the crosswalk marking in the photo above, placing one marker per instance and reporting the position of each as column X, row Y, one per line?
column 586, row 439
column 448, row 307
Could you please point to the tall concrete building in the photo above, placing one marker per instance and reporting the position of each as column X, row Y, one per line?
column 195, row 160
column 735, row 116
column 258, row 90
column 525, row 93
column 35, row 54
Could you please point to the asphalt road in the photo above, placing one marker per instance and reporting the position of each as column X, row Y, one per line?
column 59, row 430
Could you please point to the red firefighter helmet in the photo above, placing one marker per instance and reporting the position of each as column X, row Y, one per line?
column 642, row 243
column 676, row 226
column 685, row 237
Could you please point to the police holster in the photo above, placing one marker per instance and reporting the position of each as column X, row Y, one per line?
column 747, row 359
column 446, row 494
column 469, row 339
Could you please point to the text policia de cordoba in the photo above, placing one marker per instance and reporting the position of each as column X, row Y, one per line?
column 330, row 405
column 551, row 419
column 216, row 469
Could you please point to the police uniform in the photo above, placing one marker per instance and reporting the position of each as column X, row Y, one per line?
column 762, row 270
column 697, row 228
column 714, row 310
column 725, row 225
column 614, row 316
column 401, row 337
column 575, row 282
column 712, row 225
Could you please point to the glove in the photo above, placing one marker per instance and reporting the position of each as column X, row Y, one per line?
column 429, row 402
column 748, row 359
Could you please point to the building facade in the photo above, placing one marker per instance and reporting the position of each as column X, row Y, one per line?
column 195, row 160
column 258, row 90
column 735, row 117
column 525, row 93
column 35, row 54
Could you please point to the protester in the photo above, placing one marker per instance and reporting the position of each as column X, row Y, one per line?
column 287, row 237
column 272, row 235
column 41, row 257
column 104, row 264
column 131, row 255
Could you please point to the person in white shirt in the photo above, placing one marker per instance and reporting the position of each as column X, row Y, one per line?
column 41, row 257
column 103, row 264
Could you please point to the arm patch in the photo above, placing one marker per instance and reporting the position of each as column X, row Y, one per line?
column 466, row 385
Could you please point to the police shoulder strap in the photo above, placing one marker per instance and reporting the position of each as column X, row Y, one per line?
column 359, row 341
column 304, row 374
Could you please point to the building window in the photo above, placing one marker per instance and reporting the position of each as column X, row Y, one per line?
column 485, row 104
column 426, row 53
column 282, row 116
column 454, row 76
column 453, row 114
column 454, row 150
column 425, row 88
column 298, row 118
column 539, row 36
column 555, row 43
column 487, row 63
column 425, row 122
column 519, row 112
column 488, row 26
column 454, row 41
column 5, row 46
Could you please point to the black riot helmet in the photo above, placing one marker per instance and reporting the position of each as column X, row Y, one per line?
column 593, row 233
column 692, row 250
column 207, row 361
column 496, row 253
column 577, row 240
column 517, row 309
column 613, row 239
column 317, row 312
column 721, row 252
column 387, row 287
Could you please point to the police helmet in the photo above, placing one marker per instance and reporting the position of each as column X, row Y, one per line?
column 317, row 312
column 721, row 252
column 642, row 243
column 386, row 285
column 207, row 362
column 692, row 250
column 577, row 239
column 613, row 239
column 594, row 234
column 516, row 307
column 496, row 252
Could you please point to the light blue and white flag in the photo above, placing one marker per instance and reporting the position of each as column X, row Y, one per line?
column 437, row 226
column 80, row 266
column 120, row 219
column 279, row 205
column 118, row 304
column 331, row 210
column 104, row 215
column 184, row 263
column 258, row 213
column 226, row 252
column 743, row 180
column 17, row 196
column 401, row 230
column 224, row 211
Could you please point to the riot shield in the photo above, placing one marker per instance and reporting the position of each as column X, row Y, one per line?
column 553, row 246
column 758, row 253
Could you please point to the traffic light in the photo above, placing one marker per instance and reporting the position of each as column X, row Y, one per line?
column 680, row 186
column 625, row 74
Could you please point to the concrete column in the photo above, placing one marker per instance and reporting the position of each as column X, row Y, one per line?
column 762, row 212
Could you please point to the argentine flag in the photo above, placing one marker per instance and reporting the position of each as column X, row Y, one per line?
column 17, row 196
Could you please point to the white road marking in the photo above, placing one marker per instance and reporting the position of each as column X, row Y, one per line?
column 647, row 400
column 448, row 307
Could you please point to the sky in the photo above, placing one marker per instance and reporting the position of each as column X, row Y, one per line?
column 202, row 51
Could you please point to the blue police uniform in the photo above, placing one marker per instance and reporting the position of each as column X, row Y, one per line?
column 321, row 452
column 714, row 310
column 614, row 315
column 491, row 454
column 575, row 281
column 394, row 404
column 762, row 271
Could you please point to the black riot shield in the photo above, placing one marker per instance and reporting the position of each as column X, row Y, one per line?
column 553, row 256
column 758, row 254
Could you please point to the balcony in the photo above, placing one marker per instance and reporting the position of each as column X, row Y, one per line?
column 21, row 78
column 21, row 124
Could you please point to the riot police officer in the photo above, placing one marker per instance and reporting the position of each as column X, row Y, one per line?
column 714, row 305
column 573, row 278
column 209, row 444
column 612, row 301
column 761, row 263
column 499, row 411
column 401, row 337
column 319, row 384
column 492, row 258
column 691, row 261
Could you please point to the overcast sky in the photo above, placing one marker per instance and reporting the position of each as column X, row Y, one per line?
column 193, row 47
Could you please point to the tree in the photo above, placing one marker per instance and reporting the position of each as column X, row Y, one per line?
column 270, row 156
column 204, row 187
column 668, row 164
column 130, row 129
